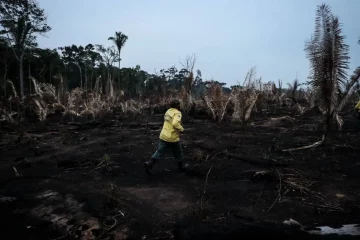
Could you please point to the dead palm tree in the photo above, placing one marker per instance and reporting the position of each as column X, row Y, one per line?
column 329, row 62
column 293, row 89
column 119, row 41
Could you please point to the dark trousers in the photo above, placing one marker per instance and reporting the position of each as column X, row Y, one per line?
column 163, row 147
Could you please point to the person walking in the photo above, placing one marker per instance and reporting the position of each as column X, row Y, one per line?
column 169, row 138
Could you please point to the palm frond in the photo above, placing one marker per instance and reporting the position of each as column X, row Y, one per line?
column 340, row 54
column 349, row 89
column 119, row 40
column 273, row 88
column 280, row 86
column 250, row 77
column 295, row 87
column 12, row 88
column 339, row 121
column 322, row 21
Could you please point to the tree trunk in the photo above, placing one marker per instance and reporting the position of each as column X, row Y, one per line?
column 29, row 78
column 42, row 74
column 21, row 75
column 78, row 65
column 113, row 75
column 5, row 76
column 86, row 80
column 119, row 72
column 91, row 78
column 108, row 77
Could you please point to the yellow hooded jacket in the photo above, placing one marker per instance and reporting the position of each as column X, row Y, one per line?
column 357, row 107
column 172, row 126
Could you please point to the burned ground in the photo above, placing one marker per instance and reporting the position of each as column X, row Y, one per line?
column 70, row 181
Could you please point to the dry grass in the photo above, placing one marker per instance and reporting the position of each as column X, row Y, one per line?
column 91, row 106
column 81, row 105
column 199, row 155
column 43, row 102
column 216, row 101
column 132, row 107
column 113, row 196
column 244, row 102
column 13, row 88
column 186, row 100
column 297, row 185
column 48, row 100
column 246, row 98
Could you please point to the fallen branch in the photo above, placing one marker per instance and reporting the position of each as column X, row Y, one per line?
column 16, row 172
column 255, row 161
column 62, row 237
column 205, row 187
column 31, row 177
column 317, row 144
column 329, row 207
column 272, row 205
column 116, row 223
column 278, row 196
column 207, row 177
column 146, row 124
column 347, row 146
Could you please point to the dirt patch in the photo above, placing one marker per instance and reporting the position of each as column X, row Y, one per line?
column 163, row 198
column 284, row 121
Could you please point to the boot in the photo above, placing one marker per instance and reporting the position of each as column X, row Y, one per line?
column 149, row 165
column 183, row 167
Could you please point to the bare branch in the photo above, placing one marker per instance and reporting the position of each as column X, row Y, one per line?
column 188, row 63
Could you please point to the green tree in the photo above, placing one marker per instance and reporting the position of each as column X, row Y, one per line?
column 22, row 20
column 49, row 61
column 133, row 81
column 93, row 58
column 119, row 41
column 74, row 55
column 109, row 57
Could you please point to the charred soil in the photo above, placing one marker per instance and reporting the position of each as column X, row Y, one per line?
column 87, row 181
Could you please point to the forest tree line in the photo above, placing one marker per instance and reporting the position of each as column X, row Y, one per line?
column 21, row 59
column 87, row 67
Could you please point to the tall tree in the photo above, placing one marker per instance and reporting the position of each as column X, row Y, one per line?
column 49, row 62
column 119, row 41
column 329, row 62
column 92, row 59
column 89, row 56
column 22, row 20
column 74, row 55
column 109, row 56
column 4, row 59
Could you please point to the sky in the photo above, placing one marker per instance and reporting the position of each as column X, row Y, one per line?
column 228, row 37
